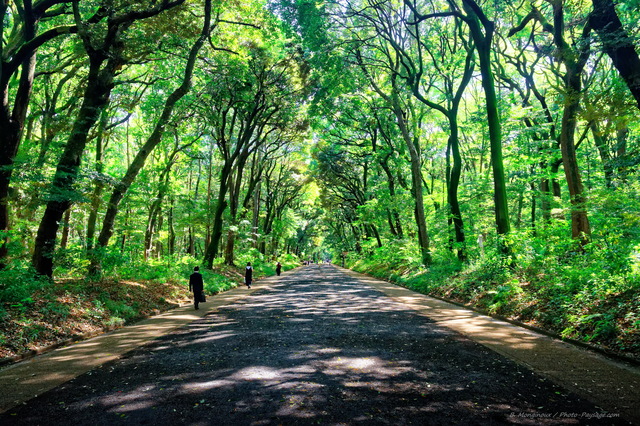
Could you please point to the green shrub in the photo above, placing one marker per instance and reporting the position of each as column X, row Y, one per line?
column 18, row 285
column 97, row 312
column 55, row 309
column 71, row 262
column 121, row 310
column 589, row 294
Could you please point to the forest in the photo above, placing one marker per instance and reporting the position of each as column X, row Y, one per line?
column 485, row 152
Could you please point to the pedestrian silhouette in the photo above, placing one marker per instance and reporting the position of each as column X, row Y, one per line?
column 196, row 284
column 248, row 275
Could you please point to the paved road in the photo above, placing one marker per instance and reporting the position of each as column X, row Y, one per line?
column 316, row 347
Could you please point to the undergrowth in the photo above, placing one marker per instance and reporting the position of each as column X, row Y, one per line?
column 584, row 296
column 38, row 312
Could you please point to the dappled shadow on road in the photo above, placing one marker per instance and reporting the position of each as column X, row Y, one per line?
column 315, row 347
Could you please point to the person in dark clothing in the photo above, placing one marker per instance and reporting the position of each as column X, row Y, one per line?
column 196, row 284
column 278, row 268
column 248, row 275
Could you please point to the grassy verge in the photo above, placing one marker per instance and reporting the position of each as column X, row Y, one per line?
column 55, row 311
column 575, row 298
column 37, row 312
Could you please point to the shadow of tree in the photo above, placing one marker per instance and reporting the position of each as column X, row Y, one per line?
column 316, row 347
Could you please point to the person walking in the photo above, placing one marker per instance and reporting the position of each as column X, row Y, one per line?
column 248, row 275
column 196, row 284
column 278, row 268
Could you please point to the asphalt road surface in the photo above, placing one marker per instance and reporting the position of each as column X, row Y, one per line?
column 315, row 347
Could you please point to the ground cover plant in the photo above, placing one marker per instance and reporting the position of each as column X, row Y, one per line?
column 580, row 297
column 37, row 313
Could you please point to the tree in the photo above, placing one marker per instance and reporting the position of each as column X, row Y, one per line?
column 415, row 63
column 482, row 31
column 283, row 184
column 477, row 20
column 542, row 125
column 344, row 166
column 105, row 49
column 379, row 65
column 22, row 36
column 163, row 188
column 617, row 44
column 248, row 107
column 574, row 60
column 157, row 134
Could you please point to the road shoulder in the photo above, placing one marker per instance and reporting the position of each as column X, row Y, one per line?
column 612, row 385
column 34, row 376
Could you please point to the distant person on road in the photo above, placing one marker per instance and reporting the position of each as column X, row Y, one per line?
column 248, row 275
column 196, row 284
column 278, row 268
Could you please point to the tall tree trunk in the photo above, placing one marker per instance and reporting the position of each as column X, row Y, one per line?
column 580, row 228
column 18, row 57
column 155, row 209
column 453, row 172
column 208, row 233
column 154, row 139
column 216, row 231
column 191, row 248
column 394, row 218
column 93, row 214
column 96, row 96
column 172, row 232
column 233, row 212
column 454, row 183
column 255, row 219
column 105, row 59
column 123, row 239
column 416, row 180
column 266, row 228
column 229, row 248
column 574, row 60
column 483, row 46
column 12, row 123
column 150, row 229
column 417, row 189
column 617, row 44
column 159, row 247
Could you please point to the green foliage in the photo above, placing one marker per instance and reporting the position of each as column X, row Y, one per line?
column 56, row 309
column 71, row 262
column 581, row 296
column 118, row 265
column 346, row 187
column 17, row 285
column 120, row 310
column 264, row 266
column 398, row 257
column 288, row 261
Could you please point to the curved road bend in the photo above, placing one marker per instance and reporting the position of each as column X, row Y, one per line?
column 317, row 346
